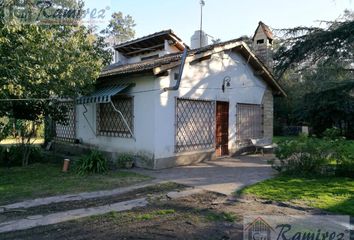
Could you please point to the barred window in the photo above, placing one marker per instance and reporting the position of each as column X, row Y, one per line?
column 195, row 125
column 66, row 132
column 249, row 121
column 110, row 123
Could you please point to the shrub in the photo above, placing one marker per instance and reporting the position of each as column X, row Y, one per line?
column 343, row 152
column 313, row 156
column 125, row 160
column 332, row 133
column 303, row 156
column 344, row 158
column 12, row 156
column 94, row 163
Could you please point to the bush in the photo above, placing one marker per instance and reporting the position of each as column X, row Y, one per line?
column 313, row 156
column 12, row 156
column 125, row 160
column 303, row 156
column 344, row 158
column 344, row 152
column 93, row 163
column 332, row 134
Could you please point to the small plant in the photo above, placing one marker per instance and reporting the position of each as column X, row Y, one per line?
column 125, row 160
column 93, row 163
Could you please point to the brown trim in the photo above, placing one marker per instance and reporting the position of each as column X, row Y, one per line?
column 222, row 115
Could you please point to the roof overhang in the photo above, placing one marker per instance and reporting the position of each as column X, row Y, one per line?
column 104, row 95
column 259, row 68
column 150, row 43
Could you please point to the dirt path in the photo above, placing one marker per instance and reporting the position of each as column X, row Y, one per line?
column 19, row 213
column 201, row 216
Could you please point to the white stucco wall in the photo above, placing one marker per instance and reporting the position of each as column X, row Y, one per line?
column 154, row 109
column 204, row 81
column 144, row 118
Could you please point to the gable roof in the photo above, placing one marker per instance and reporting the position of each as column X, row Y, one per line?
column 266, row 29
column 164, row 63
column 118, row 68
column 150, row 43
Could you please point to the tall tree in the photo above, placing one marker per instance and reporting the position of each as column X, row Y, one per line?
column 120, row 27
column 315, row 65
column 43, row 63
column 304, row 47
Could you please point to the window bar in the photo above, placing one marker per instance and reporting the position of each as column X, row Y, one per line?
column 124, row 120
column 88, row 122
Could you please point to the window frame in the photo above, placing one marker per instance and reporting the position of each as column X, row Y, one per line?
column 180, row 148
column 238, row 134
column 115, row 133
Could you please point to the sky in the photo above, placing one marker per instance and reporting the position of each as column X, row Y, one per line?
column 225, row 19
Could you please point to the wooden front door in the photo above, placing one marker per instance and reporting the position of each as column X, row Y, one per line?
column 222, row 128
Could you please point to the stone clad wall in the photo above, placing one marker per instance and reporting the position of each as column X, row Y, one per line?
column 268, row 106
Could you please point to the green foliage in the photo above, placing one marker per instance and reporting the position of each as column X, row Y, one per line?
column 314, row 67
column 41, row 63
column 93, row 163
column 330, row 107
column 120, row 27
column 308, row 156
column 12, row 156
column 302, row 156
column 125, row 160
column 4, row 128
column 332, row 133
column 306, row 46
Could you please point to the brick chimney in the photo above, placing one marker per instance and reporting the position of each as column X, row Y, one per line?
column 263, row 44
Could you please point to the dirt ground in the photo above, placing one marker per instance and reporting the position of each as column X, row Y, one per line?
column 203, row 216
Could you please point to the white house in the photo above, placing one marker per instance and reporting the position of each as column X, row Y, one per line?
column 170, row 105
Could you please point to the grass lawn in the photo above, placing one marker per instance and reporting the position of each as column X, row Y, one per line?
column 330, row 194
column 42, row 180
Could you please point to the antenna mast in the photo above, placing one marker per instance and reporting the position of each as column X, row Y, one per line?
column 202, row 4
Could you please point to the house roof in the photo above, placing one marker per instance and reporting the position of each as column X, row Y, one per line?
column 266, row 30
column 118, row 68
column 150, row 43
column 164, row 63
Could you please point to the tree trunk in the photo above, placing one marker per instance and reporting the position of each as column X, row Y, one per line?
column 25, row 155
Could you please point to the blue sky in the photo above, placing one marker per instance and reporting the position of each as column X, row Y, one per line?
column 225, row 19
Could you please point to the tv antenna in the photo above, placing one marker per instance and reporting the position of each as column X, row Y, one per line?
column 202, row 4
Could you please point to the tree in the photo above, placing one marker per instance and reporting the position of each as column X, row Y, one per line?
column 40, row 65
column 120, row 27
column 304, row 47
column 315, row 66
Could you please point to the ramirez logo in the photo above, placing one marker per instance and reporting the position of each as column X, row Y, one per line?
column 259, row 229
column 303, row 227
